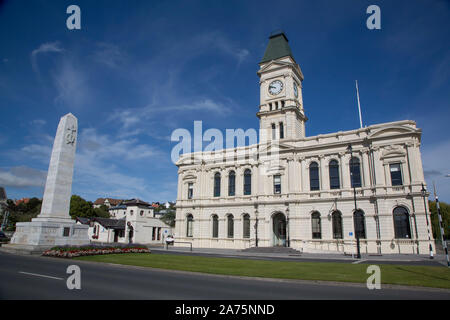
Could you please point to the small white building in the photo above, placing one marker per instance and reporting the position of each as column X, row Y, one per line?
column 132, row 221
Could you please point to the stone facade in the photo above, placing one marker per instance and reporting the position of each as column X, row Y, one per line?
column 304, row 214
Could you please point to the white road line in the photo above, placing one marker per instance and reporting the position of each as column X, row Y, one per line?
column 41, row 275
column 359, row 261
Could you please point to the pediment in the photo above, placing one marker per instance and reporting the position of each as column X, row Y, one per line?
column 392, row 152
column 275, row 146
column 390, row 131
column 189, row 159
column 274, row 64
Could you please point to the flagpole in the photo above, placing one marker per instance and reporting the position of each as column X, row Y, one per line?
column 438, row 208
column 359, row 105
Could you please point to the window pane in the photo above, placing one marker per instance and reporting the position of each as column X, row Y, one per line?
column 217, row 185
column 314, row 181
column 355, row 173
column 359, row 224
column 189, row 226
column 396, row 174
column 190, row 190
column 337, row 225
column 334, row 175
column 246, row 232
column 230, row 226
column 316, row 227
column 231, row 184
column 401, row 223
column 277, row 184
column 215, row 227
column 247, row 182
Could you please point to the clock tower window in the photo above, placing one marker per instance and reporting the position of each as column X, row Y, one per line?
column 281, row 130
column 274, row 133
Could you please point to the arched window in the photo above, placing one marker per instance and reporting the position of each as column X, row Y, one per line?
column 231, row 183
column 247, row 182
column 314, row 181
column 217, row 184
column 355, row 172
column 359, row 224
column 401, row 223
column 316, row 227
column 215, row 226
column 334, row 175
column 337, row 225
column 246, row 226
column 189, row 225
column 230, row 222
column 274, row 132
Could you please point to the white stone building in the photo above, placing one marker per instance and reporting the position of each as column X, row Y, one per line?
column 298, row 191
column 132, row 221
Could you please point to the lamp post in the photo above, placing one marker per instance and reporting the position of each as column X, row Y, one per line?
column 256, row 227
column 287, row 227
column 424, row 195
column 358, row 250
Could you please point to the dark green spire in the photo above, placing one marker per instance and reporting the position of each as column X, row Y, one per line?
column 278, row 47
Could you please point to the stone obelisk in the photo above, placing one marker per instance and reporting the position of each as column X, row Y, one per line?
column 54, row 226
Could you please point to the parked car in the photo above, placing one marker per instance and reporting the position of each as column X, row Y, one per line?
column 3, row 237
column 170, row 239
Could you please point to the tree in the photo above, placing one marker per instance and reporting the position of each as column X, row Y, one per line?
column 445, row 213
column 80, row 208
column 101, row 212
column 169, row 218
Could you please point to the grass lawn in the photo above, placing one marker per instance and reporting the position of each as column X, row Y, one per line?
column 438, row 277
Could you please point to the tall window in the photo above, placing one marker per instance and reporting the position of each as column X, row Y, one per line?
column 154, row 233
column 246, row 225
column 247, row 182
column 334, row 175
column 401, row 223
column 337, row 225
column 316, row 227
column 314, row 181
column 230, row 222
column 217, row 184
column 396, row 174
column 231, row 183
column 190, row 190
column 359, row 224
column 274, row 132
column 189, row 225
column 281, row 130
column 215, row 226
column 277, row 184
column 355, row 173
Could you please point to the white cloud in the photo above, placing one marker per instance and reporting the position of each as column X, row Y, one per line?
column 44, row 48
column 22, row 177
column 71, row 85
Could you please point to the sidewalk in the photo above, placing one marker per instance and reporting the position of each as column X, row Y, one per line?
column 313, row 256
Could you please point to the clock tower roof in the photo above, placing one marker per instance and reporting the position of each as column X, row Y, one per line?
column 278, row 47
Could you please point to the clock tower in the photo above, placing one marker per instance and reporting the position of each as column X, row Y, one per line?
column 281, row 111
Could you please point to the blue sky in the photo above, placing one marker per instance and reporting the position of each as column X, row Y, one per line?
column 137, row 70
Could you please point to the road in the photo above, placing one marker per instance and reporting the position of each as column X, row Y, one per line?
column 34, row 277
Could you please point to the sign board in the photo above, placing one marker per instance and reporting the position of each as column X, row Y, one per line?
column 350, row 234
column 165, row 231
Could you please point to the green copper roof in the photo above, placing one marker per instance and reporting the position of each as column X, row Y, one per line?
column 278, row 47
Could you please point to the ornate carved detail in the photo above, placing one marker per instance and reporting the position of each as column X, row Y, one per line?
column 71, row 136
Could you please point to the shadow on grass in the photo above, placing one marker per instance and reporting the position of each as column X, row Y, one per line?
column 423, row 274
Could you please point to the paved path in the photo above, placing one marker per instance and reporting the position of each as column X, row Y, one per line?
column 404, row 259
column 34, row 277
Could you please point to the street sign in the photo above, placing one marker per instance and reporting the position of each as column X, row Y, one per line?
column 350, row 234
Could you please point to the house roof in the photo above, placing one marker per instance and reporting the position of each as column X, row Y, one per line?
column 113, row 202
column 110, row 223
column 278, row 47
column 121, row 206
column 136, row 202
column 83, row 220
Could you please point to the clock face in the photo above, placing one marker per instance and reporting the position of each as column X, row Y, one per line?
column 295, row 90
column 275, row 87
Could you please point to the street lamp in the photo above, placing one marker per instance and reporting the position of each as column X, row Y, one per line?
column 358, row 251
column 424, row 195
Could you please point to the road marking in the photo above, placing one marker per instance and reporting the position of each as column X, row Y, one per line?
column 40, row 275
column 359, row 261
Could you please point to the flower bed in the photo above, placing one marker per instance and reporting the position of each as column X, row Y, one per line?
column 71, row 252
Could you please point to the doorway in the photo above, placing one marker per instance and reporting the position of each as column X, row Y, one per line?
column 279, row 230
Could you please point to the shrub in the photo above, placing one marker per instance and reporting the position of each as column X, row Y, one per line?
column 90, row 250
